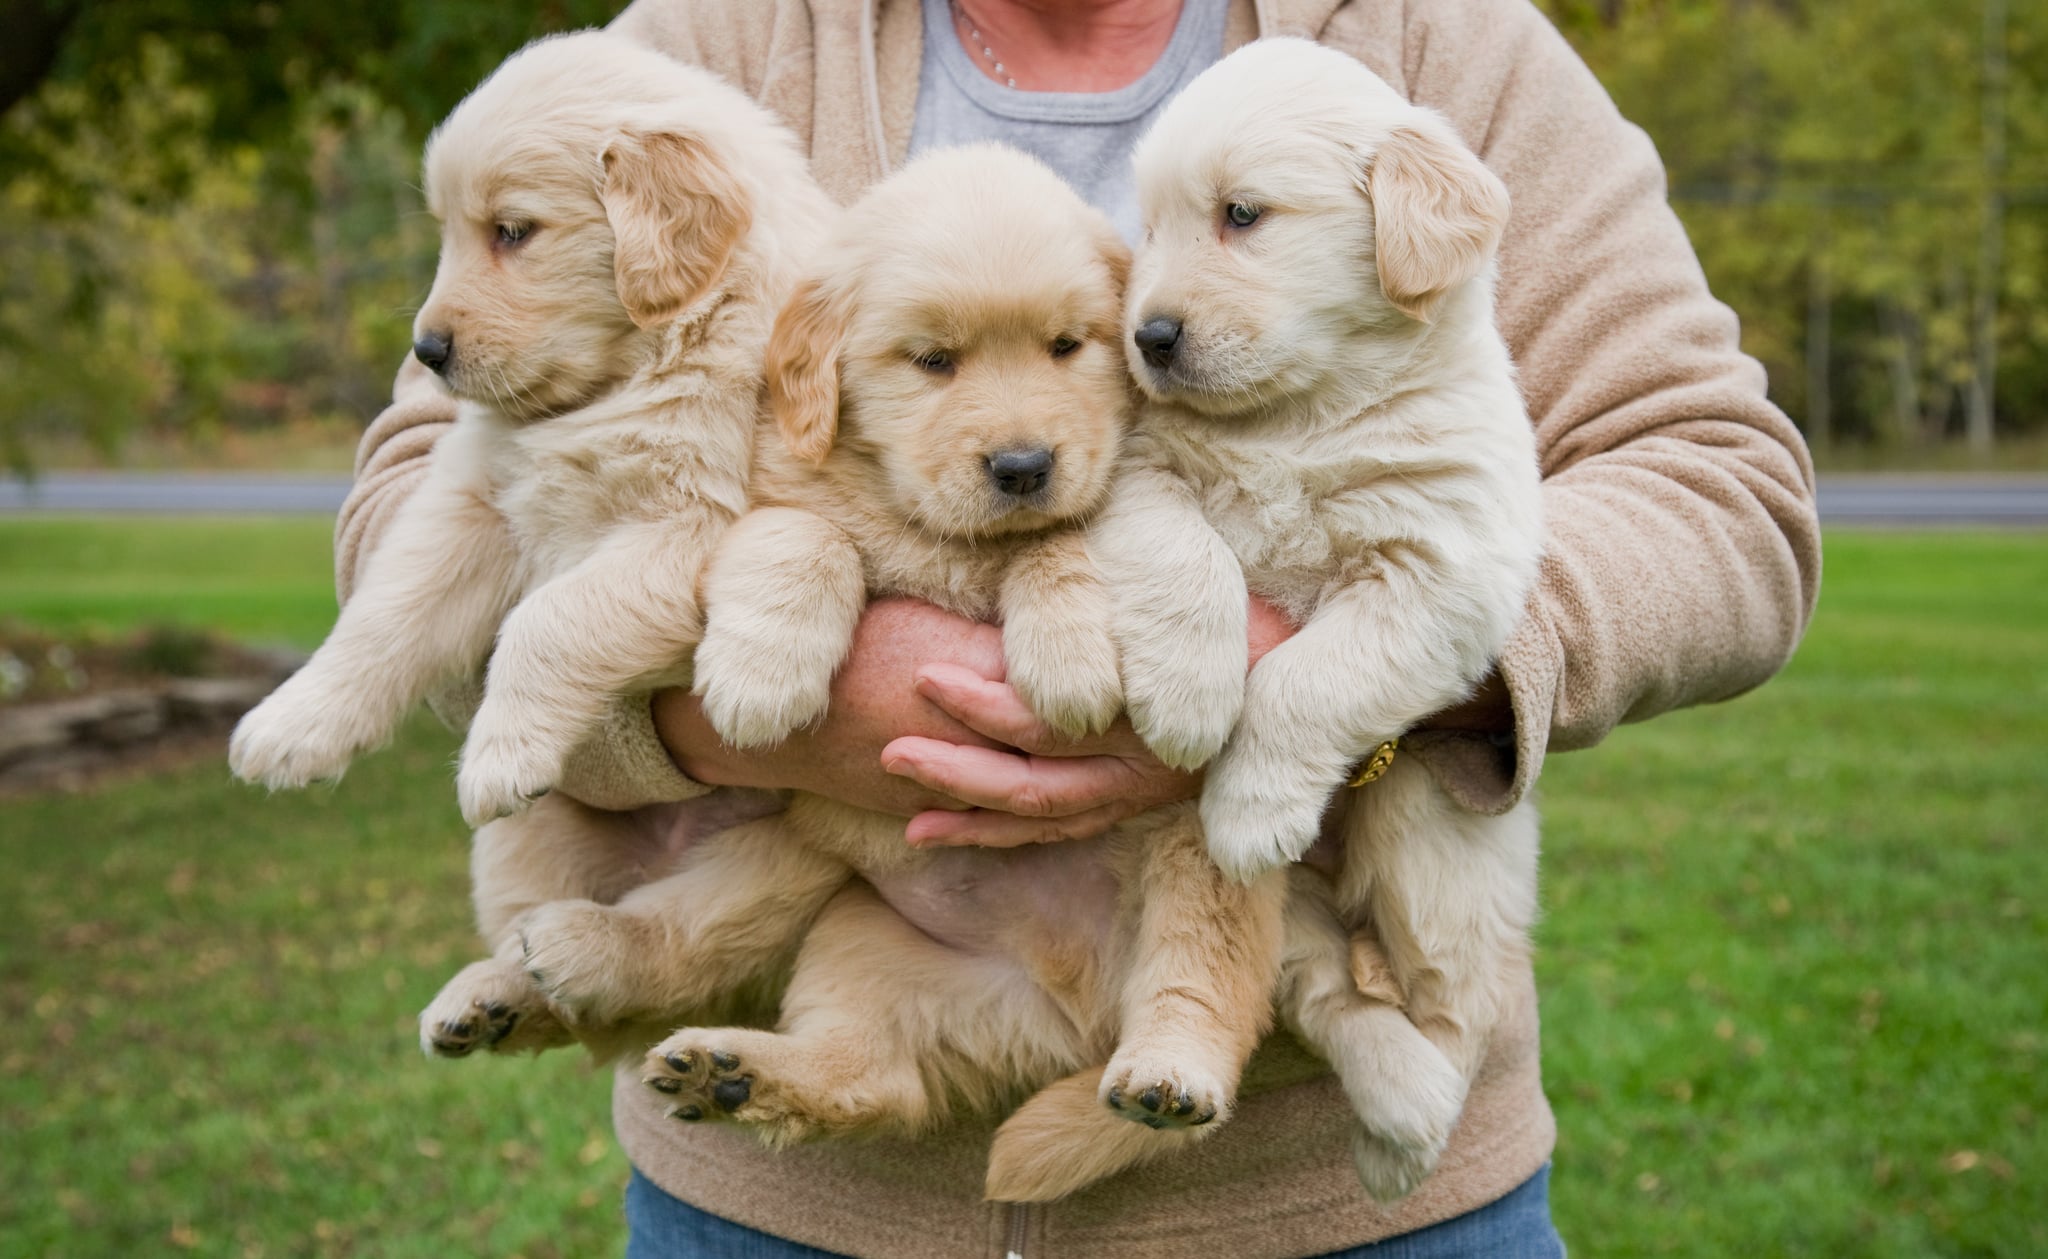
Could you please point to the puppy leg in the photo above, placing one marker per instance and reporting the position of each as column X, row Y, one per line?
column 491, row 1004
column 783, row 594
column 1374, row 659
column 1405, row 1092
column 668, row 949
column 1181, row 610
column 1198, row 996
column 1451, row 896
column 1200, row 991
column 561, row 850
column 626, row 613
column 429, row 602
column 1058, row 639
column 882, row 1029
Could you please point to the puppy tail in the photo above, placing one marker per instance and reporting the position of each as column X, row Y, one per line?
column 1064, row 1139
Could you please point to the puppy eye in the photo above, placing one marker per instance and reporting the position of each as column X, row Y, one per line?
column 513, row 233
column 1240, row 214
column 1064, row 346
column 937, row 362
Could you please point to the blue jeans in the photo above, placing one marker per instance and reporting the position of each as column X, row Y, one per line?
column 1516, row 1227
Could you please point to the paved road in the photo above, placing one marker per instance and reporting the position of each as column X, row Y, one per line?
column 175, row 493
column 1934, row 500
column 1849, row 500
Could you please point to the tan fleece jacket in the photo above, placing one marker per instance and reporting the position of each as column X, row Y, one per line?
column 1683, row 560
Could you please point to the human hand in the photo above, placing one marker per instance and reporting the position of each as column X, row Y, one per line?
column 873, row 702
column 1038, row 786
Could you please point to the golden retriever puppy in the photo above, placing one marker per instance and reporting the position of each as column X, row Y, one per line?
column 1333, row 422
column 617, row 233
column 951, row 393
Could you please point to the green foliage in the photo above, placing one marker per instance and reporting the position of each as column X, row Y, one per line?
column 1829, row 159
column 205, row 217
column 1789, row 965
column 261, row 61
column 148, row 277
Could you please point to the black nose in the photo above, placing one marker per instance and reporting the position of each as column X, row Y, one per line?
column 1157, row 339
column 433, row 349
column 1020, row 472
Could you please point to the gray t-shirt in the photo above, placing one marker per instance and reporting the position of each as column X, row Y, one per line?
column 1086, row 136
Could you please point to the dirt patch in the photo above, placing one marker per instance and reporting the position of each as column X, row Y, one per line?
column 75, row 711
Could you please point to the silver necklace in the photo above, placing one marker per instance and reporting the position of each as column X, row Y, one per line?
column 988, row 54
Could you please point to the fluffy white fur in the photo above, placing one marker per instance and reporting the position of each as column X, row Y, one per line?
column 1338, row 430
column 618, row 231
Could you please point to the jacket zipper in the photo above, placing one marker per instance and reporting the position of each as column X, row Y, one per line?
column 871, row 85
column 1020, row 1228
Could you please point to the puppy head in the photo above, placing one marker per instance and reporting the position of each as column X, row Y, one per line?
column 587, row 192
column 961, row 341
column 1297, row 212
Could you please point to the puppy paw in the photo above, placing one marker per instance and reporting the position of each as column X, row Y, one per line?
column 1160, row 1093
column 1062, row 660
column 1405, row 1121
column 300, row 735
column 754, row 698
column 1254, row 822
column 583, row 957
column 502, row 776
column 1079, row 696
column 1390, row 1171
column 719, row 1075
column 1184, row 713
column 489, row 1005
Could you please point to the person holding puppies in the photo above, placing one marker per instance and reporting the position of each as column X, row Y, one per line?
column 1681, row 565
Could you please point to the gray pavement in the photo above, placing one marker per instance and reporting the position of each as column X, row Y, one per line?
column 1934, row 499
column 175, row 493
column 1874, row 499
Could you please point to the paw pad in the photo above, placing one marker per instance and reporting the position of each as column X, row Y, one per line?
column 1162, row 1105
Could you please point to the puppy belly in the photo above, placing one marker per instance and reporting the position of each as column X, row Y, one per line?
column 998, row 901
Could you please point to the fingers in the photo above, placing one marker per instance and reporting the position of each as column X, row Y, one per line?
column 1029, row 786
column 987, row 828
column 995, row 710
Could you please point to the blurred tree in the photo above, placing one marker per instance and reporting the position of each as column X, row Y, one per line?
column 1829, row 161
column 258, row 60
column 206, row 219
column 206, row 211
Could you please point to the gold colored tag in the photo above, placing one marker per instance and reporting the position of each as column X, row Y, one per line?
column 1376, row 764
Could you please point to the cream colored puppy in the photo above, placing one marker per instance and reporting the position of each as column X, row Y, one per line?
column 617, row 232
column 1333, row 423
column 951, row 391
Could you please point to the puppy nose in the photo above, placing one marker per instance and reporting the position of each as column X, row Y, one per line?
column 1157, row 339
column 1020, row 472
column 433, row 349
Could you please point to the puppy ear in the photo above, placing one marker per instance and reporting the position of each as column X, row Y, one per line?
column 677, row 212
column 1438, row 214
column 1115, row 254
column 803, row 368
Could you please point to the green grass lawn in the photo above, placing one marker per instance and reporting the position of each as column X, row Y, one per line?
column 269, row 580
column 1794, row 964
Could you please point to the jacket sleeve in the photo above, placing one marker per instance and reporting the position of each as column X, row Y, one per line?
column 1682, row 550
